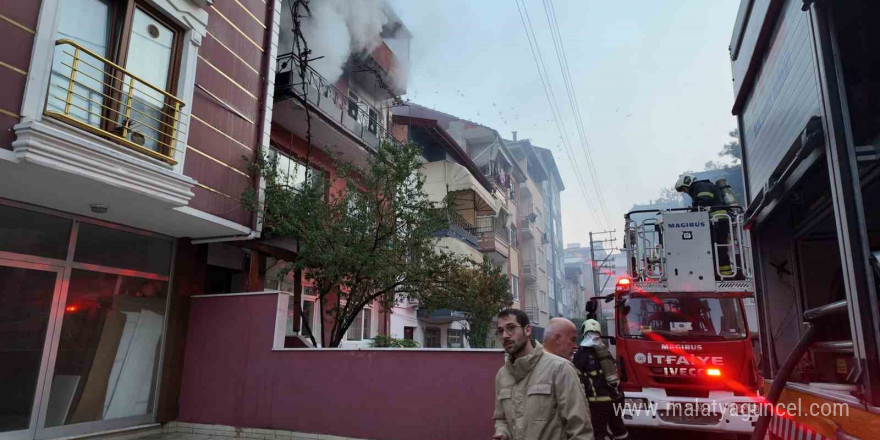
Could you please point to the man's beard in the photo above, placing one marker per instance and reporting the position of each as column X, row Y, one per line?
column 515, row 347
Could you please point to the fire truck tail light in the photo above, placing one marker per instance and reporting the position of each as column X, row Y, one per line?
column 714, row 372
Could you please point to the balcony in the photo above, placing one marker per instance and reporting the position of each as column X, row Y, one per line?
column 96, row 95
column 462, row 229
column 529, row 229
column 337, row 120
column 380, row 70
column 443, row 178
column 530, row 272
column 493, row 239
column 533, row 314
column 107, row 143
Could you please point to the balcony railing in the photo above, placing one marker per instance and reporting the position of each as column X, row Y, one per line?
column 335, row 104
column 462, row 227
column 486, row 228
column 530, row 272
column 533, row 314
column 91, row 92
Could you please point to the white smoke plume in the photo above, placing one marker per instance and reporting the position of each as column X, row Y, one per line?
column 338, row 28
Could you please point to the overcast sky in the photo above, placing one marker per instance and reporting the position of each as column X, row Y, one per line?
column 652, row 78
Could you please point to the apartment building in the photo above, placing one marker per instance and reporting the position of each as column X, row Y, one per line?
column 346, row 117
column 127, row 127
column 451, row 174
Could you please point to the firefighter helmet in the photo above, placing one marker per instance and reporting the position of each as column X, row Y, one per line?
column 684, row 182
column 591, row 325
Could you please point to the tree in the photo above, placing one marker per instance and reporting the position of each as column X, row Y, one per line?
column 668, row 195
column 479, row 290
column 730, row 150
column 372, row 239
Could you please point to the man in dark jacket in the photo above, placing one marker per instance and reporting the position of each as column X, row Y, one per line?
column 598, row 372
column 715, row 196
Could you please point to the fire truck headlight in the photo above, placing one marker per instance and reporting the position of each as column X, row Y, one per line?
column 714, row 372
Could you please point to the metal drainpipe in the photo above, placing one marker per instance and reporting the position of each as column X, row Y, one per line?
column 264, row 114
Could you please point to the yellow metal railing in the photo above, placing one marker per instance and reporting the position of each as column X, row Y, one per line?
column 93, row 93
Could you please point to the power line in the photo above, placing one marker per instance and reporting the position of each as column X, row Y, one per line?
column 559, row 46
column 551, row 99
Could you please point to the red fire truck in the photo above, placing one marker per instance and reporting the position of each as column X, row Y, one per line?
column 684, row 351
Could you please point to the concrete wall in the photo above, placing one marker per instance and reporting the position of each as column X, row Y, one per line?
column 233, row 377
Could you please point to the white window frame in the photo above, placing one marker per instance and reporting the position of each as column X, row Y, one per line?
column 455, row 333
column 366, row 312
column 275, row 152
column 191, row 17
column 514, row 287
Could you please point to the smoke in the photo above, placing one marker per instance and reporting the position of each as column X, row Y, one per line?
column 338, row 28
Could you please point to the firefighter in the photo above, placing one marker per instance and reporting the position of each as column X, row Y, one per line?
column 598, row 373
column 703, row 192
column 716, row 197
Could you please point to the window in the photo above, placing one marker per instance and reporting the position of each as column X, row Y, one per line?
column 292, row 173
column 361, row 327
column 432, row 337
column 135, row 104
column 708, row 319
column 308, row 314
column 408, row 333
column 514, row 287
column 353, row 103
column 513, row 241
column 373, row 123
column 455, row 338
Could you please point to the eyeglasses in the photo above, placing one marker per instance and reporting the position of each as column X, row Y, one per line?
column 509, row 329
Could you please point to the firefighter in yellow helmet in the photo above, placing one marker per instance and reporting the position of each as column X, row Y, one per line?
column 715, row 196
column 598, row 373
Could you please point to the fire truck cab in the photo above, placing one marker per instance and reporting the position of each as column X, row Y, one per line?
column 683, row 343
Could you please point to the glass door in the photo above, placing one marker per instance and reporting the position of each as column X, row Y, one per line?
column 30, row 294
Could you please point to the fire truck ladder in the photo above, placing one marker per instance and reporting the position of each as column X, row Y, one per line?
column 738, row 248
column 645, row 246
column 647, row 255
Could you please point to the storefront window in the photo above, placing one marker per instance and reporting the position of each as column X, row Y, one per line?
column 126, row 250
column 26, row 296
column 108, row 352
column 34, row 233
column 103, row 323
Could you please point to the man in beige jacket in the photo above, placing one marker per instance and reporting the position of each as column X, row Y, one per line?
column 538, row 395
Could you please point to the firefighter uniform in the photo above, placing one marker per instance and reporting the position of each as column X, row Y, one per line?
column 596, row 366
column 715, row 196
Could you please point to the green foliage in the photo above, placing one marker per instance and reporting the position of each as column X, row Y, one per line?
column 479, row 290
column 730, row 150
column 369, row 237
column 389, row 342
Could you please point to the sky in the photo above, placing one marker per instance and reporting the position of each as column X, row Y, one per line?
column 652, row 81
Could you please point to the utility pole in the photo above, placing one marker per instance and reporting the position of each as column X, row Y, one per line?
column 607, row 245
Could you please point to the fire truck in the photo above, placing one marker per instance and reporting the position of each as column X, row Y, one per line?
column 684, row 350
column 807, row 101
